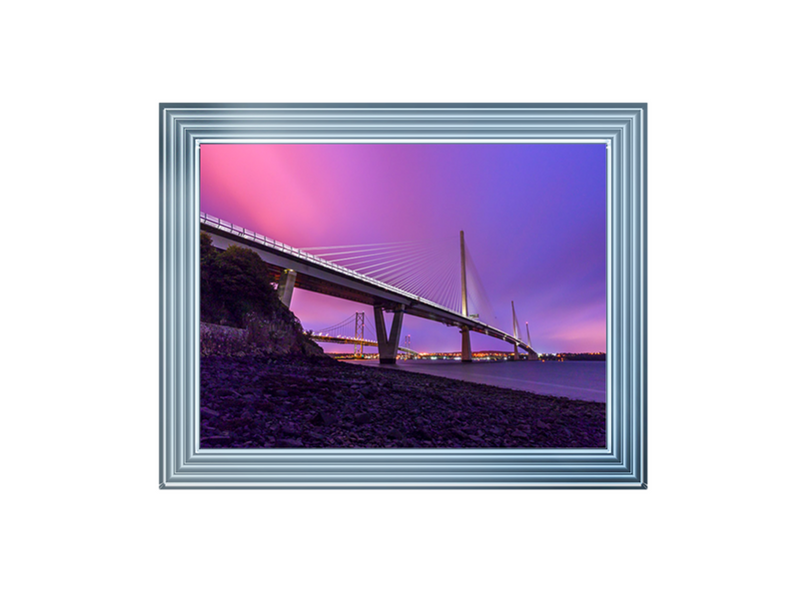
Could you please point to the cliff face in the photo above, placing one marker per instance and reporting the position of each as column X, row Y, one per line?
column 240, row 309
column 272, row 337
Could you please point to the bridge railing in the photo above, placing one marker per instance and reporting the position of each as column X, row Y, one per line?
column 314, row 259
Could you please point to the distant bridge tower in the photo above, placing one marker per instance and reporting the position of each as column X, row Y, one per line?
column 360, row 328
column 407, row 345
column 531, row 355
column 466, row 343
column 516, row 330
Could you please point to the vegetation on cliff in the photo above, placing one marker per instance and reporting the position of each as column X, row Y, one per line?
column 240, row 309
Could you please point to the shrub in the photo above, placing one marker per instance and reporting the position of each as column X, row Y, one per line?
column 237, row 291
column 234, row 283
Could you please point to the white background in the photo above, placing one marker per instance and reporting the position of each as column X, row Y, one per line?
column 84, row 519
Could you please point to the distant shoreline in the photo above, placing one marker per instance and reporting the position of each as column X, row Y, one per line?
column 584, row 380
column 495, row 356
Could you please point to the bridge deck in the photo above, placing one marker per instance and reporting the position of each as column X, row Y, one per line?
column 321, row 276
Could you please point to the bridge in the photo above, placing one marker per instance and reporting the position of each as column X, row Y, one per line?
column 397, row 278
column 359, row 337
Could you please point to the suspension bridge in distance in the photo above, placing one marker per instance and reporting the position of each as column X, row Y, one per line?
column 395, row 278
column 362, row 336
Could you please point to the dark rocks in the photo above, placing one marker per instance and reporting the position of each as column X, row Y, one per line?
column 215, row 441
column 295, row 402
column 362, row 418
column 289, row 443
column 208, row 413
column 324, row 418
column 392, row 386
column 422, row 434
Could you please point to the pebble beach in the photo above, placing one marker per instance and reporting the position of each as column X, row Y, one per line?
column 256, row 401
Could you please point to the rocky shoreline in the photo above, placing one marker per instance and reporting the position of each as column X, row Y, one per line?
column 257, row 401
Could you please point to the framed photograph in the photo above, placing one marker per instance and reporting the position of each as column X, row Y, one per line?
column 403, row 295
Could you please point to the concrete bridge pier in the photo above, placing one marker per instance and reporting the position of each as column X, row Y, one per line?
column 286, row 284
column 388, row 345
column 466, row 345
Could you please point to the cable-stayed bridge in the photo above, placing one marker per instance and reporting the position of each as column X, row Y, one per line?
column 422, row 279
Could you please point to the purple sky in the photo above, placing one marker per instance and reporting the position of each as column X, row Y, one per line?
column 534, row 217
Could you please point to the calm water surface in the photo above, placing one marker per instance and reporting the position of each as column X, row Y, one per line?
column 578, row 379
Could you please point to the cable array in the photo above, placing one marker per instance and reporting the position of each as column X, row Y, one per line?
column 430, row 269
column 427, row 268
column 517, row 328
column 476, row 296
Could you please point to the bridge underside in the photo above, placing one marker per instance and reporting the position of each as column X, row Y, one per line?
column 320, row 279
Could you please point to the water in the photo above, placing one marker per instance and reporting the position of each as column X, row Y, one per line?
column 579, row 380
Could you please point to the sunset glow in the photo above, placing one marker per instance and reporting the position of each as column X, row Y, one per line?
column 534, row 217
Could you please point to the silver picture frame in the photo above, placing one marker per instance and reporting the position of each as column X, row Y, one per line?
column 183, row 127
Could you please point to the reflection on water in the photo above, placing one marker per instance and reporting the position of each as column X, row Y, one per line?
column 580, row 380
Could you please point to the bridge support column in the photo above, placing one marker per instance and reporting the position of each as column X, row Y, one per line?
column 388, row 344
column 516, row 353
column 286, row 284
column 466, row 345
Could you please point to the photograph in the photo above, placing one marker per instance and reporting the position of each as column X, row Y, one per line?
column 364, row 302
column 402, row 294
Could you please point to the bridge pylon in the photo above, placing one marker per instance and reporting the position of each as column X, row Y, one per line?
column 360, row 327
column 388, row 344
column 531, row 355
column 466, row 342
column 286, row 283
column 516, row 331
